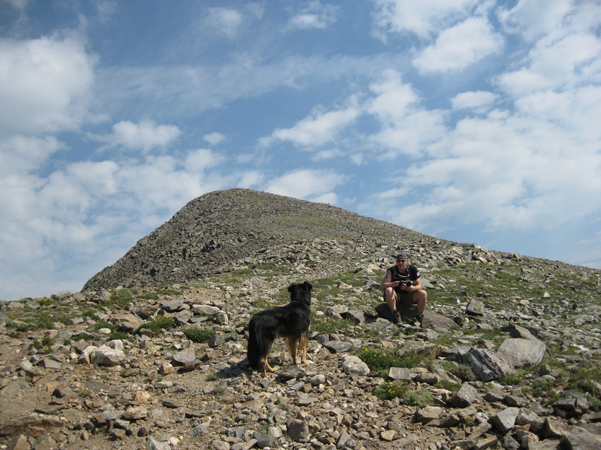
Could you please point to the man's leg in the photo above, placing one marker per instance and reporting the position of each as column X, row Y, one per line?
column 390, row 297
column 421, row 298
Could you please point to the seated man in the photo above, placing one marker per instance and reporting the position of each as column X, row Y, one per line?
column 402, row 283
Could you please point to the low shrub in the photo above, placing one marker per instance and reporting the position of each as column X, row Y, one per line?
column 196, row 334
column 420, row 399
column 158, row 324
column 388, row 391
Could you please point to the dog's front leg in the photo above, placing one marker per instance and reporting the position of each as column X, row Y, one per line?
column 303, row 348
column 292, row 349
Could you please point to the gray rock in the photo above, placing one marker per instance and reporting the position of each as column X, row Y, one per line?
column 580, row 439
column 338, row 346
column 522, row 352
column 353, row 364
column 298, row 430
column 464, row 396
column 174, row 305
column 399, row 373
column 106, row 356
column 484, row 363
column 152, row 444
column 475, row 308
column 504, row 420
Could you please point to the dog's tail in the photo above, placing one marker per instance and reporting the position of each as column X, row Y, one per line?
column 258, row 345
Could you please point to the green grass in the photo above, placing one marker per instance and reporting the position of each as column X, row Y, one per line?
column 378, row 360
column 158, row 324
column 196, row 334
column 104, row 324
column 119, row 298
column 388, row 391
column 120, row 335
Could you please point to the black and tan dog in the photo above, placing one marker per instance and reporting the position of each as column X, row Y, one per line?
column 291, row 321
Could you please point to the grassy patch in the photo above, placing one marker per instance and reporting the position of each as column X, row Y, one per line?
column 388, row 391
column 120, row 335
column 196, row 334
column 104, row 324
column 158, row 324
column 378, row 360
column 119, row 298
column 420, row 399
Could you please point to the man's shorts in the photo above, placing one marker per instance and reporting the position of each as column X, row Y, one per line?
column 402, row 297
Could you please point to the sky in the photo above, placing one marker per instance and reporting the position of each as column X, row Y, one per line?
column 470, row 120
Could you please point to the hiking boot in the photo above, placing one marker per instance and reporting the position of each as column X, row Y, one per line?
column 416, row 320
column 396, row 318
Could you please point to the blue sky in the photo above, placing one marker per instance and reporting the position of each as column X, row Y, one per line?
column 475, row 121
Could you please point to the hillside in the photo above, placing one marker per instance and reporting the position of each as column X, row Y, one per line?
column 508, row 355
column 218, row 231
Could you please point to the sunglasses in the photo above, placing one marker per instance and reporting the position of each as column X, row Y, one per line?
column 401, row 260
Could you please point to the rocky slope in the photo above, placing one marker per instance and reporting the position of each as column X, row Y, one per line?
column 508, row 355
column 215, row 230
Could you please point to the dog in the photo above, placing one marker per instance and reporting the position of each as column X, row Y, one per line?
column 291, row 321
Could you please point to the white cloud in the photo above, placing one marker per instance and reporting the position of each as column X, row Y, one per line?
column 327, row 154
column 45, row 84
column 405, row 127
column 305, row 183
column 143, row 136
column 535, row 18
column 18, row 4
column 312, row 14
column 423, row 17
column 20, row 154
column 214, row 138
column 318, row 129
column 106, row 10
column 202, row 159
column 393, row 99
column 459, row 47
column 58, row 230
column 479, row 101
column 224, row 21
column 256, row 9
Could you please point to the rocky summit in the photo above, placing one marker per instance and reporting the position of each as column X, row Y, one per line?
column 507, row 356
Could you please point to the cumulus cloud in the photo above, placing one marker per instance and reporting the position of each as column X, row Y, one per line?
column 18, row 4
column 306, row 183
column 202, row 159
column 45, row 84
column 144, row 136
column 317, row 129
column 224, row 21
column 536, row 18
column 21, row 154
column 478, row 101
column 421, row 17
column 312, row 14
column 214, row 138
column 93, row 211
column 405, row 126
column 459, row 47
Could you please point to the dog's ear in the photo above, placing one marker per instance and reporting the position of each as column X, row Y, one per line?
column 290, row 288
column 308, row 285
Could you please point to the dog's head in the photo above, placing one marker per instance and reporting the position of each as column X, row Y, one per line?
column 300, row 292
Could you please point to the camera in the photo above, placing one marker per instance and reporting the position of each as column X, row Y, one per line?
column 408, row 283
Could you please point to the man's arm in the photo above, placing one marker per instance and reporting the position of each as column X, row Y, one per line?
column 417, row 283
column 386, row 283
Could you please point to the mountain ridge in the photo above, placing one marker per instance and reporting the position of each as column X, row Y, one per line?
column 216, row 230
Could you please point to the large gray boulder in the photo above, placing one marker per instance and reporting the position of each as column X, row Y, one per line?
column 522, row 352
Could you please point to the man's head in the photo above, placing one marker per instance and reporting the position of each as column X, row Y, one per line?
column 401, row 260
